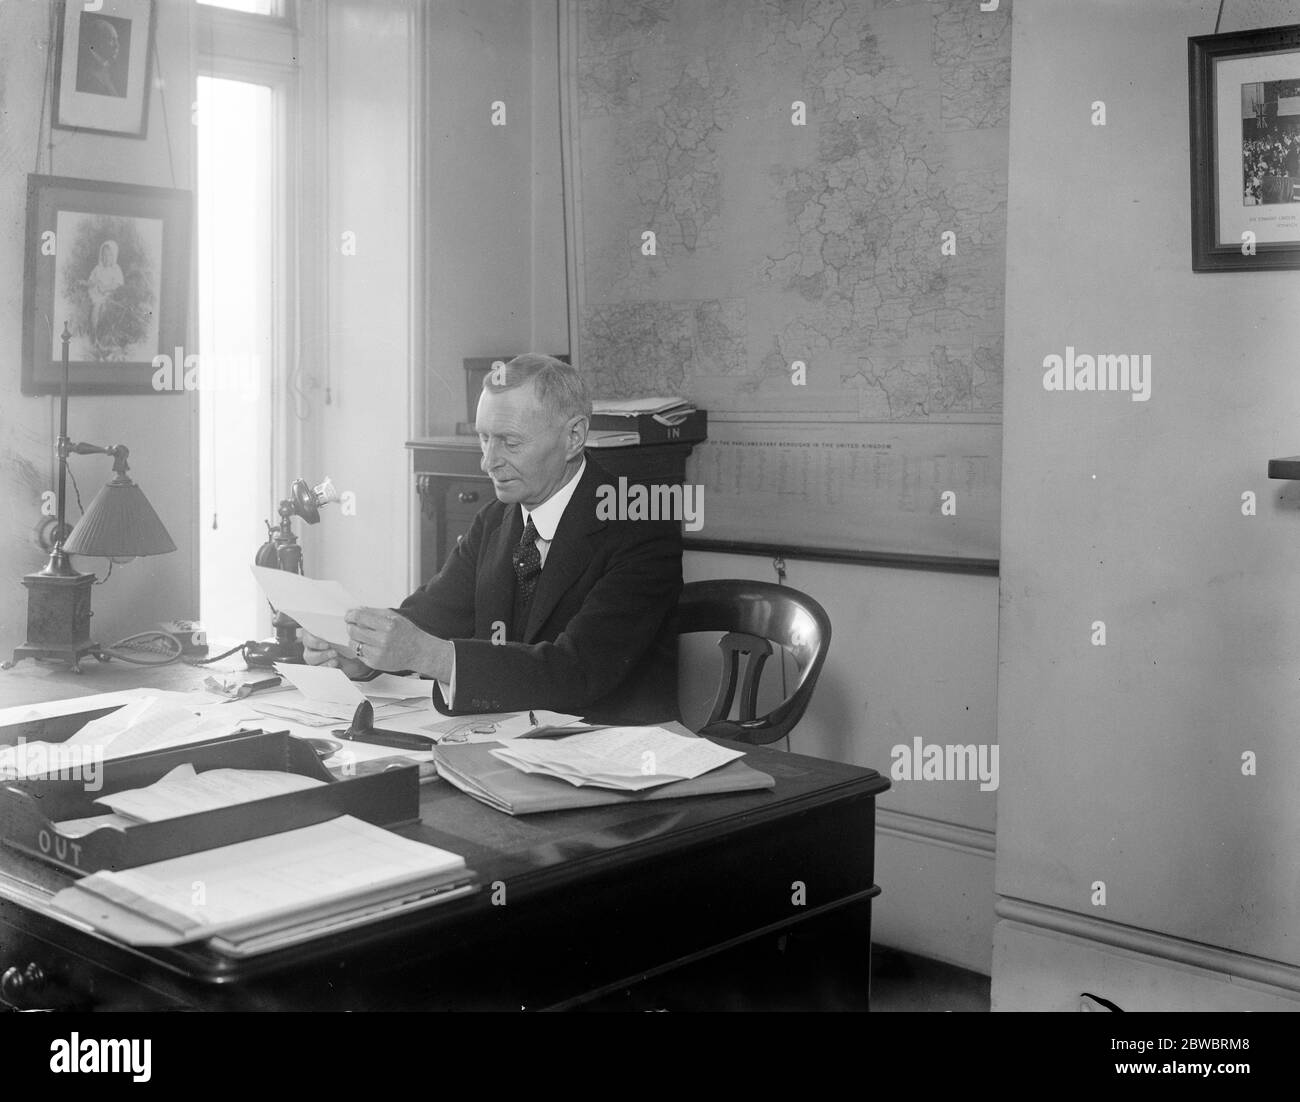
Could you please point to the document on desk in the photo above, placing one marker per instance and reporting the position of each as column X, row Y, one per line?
column 265, row 884
column 323, row 685
column 475, row 771
column 319, row 606
column 626, row 758
column 330, row 691
column 151, row 723
column 496, row 726
column 184, row 791
column 389, row 686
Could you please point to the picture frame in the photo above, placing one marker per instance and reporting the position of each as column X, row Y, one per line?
column 1244, row 109
column 113, row 262
column 102, row 66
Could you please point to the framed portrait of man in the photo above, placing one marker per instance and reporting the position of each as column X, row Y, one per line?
column 101, row 81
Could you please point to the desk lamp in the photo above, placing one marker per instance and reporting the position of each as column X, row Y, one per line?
column 281, row 551
column 119, row 525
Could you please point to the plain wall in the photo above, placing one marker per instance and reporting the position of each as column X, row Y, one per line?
column 359, row 392
column 493, row 216
column 159, row 429
column 1122, row 763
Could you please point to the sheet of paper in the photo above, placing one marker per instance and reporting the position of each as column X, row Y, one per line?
column 322, row 685
column 632, row 406
column 352, row 754
column 319, row 606
column 618, row 757
column 71, row 705
column 582, row 771
column 143, row 725
column 388, row 686
column 295, row 708
column 151, row 725
column 327, row 716
column 493, row 727
column 183, row 791
column 79, row 828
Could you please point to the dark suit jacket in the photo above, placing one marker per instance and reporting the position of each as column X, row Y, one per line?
column 601, row 635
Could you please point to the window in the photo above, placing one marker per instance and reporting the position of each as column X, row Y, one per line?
column 236, row 241
column 253, row 7
column 244, row 112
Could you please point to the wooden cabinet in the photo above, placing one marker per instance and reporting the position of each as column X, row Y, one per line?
column 452, row 488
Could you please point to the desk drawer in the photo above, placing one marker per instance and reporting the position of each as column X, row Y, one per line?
column 36, row 975
column 465, row 497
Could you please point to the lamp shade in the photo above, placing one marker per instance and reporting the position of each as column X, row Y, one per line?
column 120, row 523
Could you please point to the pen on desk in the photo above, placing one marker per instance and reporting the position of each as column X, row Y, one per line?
column 532, row 718
column 250, row 687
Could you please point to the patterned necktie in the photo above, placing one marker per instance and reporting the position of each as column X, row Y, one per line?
column 528, row 563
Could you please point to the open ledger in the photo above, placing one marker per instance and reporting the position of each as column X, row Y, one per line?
column 269, row 891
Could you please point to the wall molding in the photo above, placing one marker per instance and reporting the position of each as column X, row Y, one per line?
column 1150, row 943
column 571, row 174
column 919, row 828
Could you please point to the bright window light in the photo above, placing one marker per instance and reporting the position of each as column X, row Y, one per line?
column 236, row 238
column 255, row 7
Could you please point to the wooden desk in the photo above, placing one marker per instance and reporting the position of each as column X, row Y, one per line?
column 573, row 905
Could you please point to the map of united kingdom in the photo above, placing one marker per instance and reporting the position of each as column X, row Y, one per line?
column 820, row 192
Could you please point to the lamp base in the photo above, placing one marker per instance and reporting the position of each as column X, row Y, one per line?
column 71, row 655
column 58, row 620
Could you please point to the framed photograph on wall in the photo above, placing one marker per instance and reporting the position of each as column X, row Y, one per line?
column 1244, row 92
column 112, row 261
column 101, row 78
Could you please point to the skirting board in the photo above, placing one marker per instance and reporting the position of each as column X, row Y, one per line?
column 936, row 883
column 1044, row 958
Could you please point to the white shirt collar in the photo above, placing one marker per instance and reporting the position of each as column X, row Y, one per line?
column 546, row 517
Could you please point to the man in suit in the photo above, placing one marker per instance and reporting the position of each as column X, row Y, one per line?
column 543, row 604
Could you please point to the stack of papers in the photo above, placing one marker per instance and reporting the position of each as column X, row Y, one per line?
column 268, row 891
column 613, row 438
column 665, row 410
column 622, row 424
column 496, row 726
column 184, row 791
column 144, row 725
column 628, row 759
